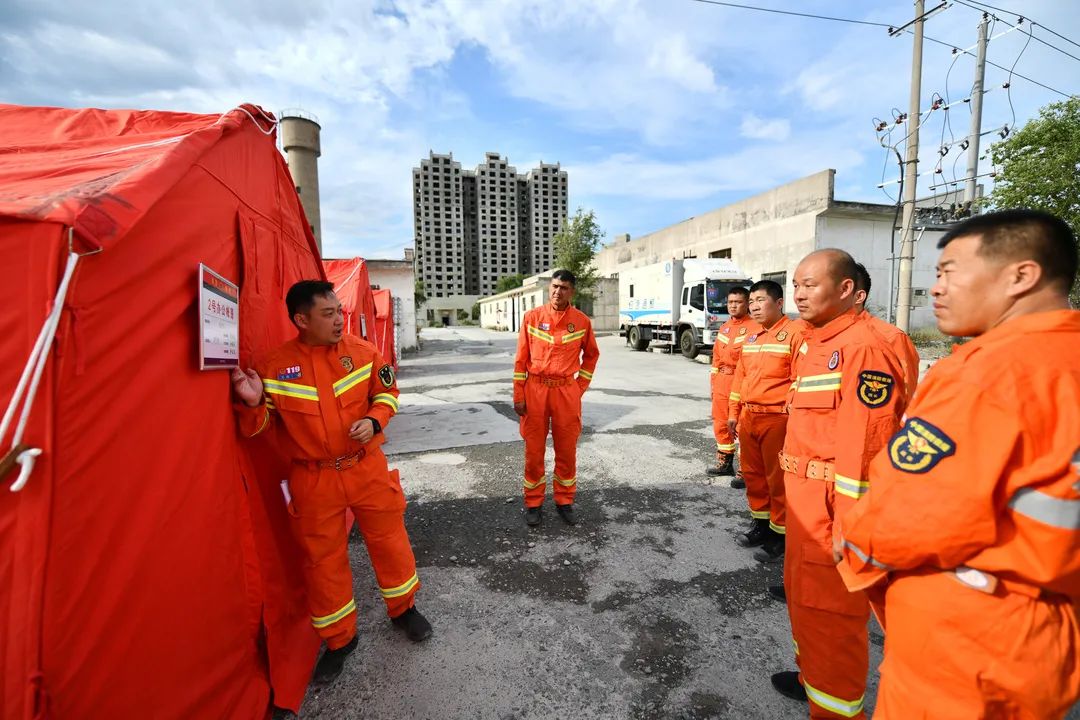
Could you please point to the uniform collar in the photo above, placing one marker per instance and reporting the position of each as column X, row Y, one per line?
column 832, row 328
column 777, row 326
column 1049, row 321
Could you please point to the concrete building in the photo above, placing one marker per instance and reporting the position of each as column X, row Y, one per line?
column 473, row 227
column 767, row 235
column 397, row 277
column 505, row 310
column 300, row 141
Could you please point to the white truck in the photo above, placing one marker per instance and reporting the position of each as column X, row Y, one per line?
column 677, row 303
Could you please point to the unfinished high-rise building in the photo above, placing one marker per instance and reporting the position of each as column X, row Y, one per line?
column 474, row 227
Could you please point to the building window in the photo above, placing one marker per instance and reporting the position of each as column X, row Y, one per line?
column 780, row 278
column 725, row 253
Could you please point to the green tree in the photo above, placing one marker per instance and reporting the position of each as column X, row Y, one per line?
column 509, row 282
column 576, row 245
column 1040, row 166
column 420, row 298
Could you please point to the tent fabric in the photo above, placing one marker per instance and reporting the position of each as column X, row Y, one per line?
column 353, row 288
column 384, row 326
column 147, row 569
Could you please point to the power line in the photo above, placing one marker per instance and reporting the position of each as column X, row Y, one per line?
column 797, row 14
column 1016, row 14
column 1000, row 67
column 1031, row 22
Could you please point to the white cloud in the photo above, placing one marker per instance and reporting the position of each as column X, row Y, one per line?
column 757, row 128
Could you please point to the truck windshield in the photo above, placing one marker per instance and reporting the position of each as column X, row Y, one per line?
column 716, row 292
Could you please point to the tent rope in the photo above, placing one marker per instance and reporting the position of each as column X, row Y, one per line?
column 31, row 379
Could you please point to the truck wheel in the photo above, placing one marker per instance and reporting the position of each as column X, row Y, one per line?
column 633, row 335
column 688, row 344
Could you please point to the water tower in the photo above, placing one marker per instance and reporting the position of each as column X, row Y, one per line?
column 300, row 141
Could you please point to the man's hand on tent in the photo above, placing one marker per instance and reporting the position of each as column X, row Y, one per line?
column 248, row 386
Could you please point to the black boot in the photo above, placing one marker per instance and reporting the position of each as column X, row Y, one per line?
column 738, row 482
column 566, row 512
column 772, row 549
column 332, row 662
column 755, row 536
column 414, row 624
column 532, row 516
column 776, row 592
column 787, row 684
column 723, row 465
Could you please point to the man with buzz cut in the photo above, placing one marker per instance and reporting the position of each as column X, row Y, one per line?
column 556, row 358
column 327, row 397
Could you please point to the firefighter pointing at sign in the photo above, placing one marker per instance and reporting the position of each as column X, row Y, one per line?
column 556, row 342
column 328, row 397
column 972, row 517
column 846, row 403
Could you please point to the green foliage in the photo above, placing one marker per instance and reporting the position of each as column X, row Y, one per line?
column 476, row 311
column 509, row 282
column 1040, row 166
column 420, row 297
column 576, row 245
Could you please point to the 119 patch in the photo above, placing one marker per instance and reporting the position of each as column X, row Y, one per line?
column 919, row 446
column 386, row 375
column 875, row 388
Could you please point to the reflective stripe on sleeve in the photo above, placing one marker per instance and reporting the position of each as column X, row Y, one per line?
column 386, row 399
column 585, row 374
column 1047, row 509
column 326, row 620
column 351, row 380
column 863, row 556
column 520, row 376
column 735, row 396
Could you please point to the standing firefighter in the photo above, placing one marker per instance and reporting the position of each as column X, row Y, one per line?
column 730, row 340
column 328, row 397
column 758, row 409
column 898, row 339
column 971, row 525
column 845, row 406
column 556, row 341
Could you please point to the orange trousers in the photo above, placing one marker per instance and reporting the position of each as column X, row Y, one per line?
column 955, row 652
column 557, row 407
column 761, row 438
column 721, row 392
column 828, row 623
column 319, row 500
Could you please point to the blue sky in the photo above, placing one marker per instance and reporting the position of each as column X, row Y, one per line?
column 658, row 109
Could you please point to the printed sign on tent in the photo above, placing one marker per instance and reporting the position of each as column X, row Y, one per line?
column 219, row 321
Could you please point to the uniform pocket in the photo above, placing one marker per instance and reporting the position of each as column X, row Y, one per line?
column 821, row 400
column 818, row 584
column 287, row 404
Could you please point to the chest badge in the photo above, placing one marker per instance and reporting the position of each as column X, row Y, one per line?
column 752, row 338
column 570, row 327
column 545, row 326
column 781, row 336
column 346, row 362
column 834, row 361
column 726, row 330
column 289, row 373
column 742, row 331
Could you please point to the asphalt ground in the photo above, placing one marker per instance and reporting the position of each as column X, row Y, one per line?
column 646, row 609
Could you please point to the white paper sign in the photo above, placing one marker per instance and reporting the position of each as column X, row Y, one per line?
column 219, row 321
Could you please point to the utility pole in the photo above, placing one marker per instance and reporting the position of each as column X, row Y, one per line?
column 907, row 233
column 976, row 114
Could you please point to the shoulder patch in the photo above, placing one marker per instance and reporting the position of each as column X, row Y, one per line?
column 386, row 375
column 919, row 446
column 875, row 388
column 834, row 360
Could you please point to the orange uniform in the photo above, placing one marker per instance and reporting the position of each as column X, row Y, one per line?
column 903, row 347
column 313, row 394
column 758, row 402
column 725, row 358
column 845, row 405
column 974, row 513
column 553, row 345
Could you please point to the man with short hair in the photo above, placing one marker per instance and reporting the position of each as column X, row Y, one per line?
column 971, row 525
column 730, row 339
column 328, row 396
column 758, row 410
column 556, row 343
column 898, row 340
column 845, row 404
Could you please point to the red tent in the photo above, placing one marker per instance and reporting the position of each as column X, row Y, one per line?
column 146, row 568
column 384, row 326
column 353, row 288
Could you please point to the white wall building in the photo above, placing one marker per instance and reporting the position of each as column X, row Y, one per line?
column 505, row 310
column 397, row 276
column 768, row 234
